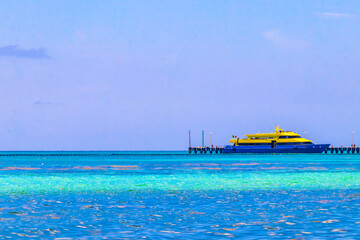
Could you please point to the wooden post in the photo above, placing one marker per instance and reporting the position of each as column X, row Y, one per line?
column 189, row 139
column 202, row 138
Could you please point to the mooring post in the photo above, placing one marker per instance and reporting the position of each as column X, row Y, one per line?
column 202, row 138
column 189, row 139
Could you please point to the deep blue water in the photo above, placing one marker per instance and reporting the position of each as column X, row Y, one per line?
column 173, row 195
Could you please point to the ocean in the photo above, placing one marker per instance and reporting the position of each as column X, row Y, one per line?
column 174, row 195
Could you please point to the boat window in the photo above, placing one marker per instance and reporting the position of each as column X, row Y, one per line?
column 261, row 138
column 268, row 144
column 252, row 144
column 289, row 137
column 294, row 143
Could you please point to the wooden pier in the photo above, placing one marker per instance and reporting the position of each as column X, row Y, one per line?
column 342, row 150
column 330, row 150
column 205, row 150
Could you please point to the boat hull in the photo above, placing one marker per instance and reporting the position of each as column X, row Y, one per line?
column 306, row 148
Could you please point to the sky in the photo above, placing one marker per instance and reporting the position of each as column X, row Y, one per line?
column 137, row 75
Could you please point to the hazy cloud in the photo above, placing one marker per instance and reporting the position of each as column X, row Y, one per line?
column 278, row 38
column 40, row 102
column 335, row 15
column 15, row 51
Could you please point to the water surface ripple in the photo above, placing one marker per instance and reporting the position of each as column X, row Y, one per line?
column 173, row 195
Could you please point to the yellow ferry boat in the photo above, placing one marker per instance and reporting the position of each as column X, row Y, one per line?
column 279, row 141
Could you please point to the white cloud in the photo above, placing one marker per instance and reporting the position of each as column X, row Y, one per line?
column 278, row 38
column 16, row 51
column 40, row 102
column 335, row 15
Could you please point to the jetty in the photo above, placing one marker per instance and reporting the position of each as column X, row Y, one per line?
column 205, row 150
column 342, row 150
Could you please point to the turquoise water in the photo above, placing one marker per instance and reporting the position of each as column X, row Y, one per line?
column 164, row 195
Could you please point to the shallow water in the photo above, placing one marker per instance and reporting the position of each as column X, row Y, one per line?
column 162, row 195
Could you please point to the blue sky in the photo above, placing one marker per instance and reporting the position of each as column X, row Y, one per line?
column 132, row 75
